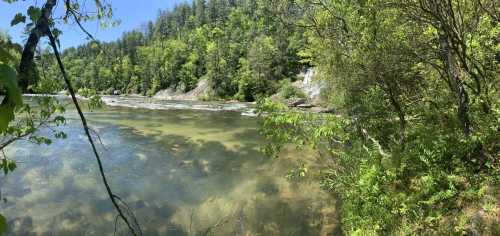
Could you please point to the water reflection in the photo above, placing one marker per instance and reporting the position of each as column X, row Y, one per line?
column 182, row 172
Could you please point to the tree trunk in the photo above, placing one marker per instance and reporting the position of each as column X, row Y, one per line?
column 26, row 71
column 457, row 84
column 401, row 114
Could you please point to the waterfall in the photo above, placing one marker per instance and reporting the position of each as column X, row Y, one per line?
column 311, row 86
column 308, row 76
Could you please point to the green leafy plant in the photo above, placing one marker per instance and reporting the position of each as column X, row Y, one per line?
column 8, row 84
column 94, row 100
column 12, row 99
column 287, row 90
column 3, row 225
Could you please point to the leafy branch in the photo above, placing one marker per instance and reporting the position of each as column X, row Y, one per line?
column 41, row 29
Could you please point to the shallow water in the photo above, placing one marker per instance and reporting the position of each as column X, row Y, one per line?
column 159, row 104
column 181, row 172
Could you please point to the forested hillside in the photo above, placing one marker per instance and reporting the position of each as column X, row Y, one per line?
column 240, row 46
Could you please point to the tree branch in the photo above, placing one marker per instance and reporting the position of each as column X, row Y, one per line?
column 41, row 29
column 87, row 133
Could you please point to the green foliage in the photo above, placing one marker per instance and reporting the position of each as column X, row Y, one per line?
column 37, row 113
column 34, row 13
column 5, row 55
column 94, row 100
column 287, row 90
column 8, row 84
column 18, row 120
column 8, row 165
column 3, row 225
column 404, row 162
column 400, row 191
column 18, row 18
column 242, row 51
column 250, row 86
column 13, row 97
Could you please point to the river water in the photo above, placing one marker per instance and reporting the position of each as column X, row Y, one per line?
column 182, row 172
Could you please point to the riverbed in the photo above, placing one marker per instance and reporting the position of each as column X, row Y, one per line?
column 182, row 172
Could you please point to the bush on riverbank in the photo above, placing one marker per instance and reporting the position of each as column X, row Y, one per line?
column 287, row 90
column 435, row 183
column 414, row 146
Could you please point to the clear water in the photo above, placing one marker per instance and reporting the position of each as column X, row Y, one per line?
column 181, row 172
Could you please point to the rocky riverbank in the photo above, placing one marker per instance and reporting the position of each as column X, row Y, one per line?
column 308, row 85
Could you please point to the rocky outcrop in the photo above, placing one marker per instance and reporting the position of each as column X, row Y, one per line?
column 294, row 102
column 172, row 94
column 202, row 90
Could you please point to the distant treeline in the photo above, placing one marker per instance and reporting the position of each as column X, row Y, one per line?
column 241, row 46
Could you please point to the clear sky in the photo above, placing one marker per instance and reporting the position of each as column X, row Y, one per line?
column 131, row 13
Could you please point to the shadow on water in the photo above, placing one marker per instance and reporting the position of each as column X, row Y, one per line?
column 182, row 173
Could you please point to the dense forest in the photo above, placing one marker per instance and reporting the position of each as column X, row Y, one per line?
column 239, row 46
column 413, row 146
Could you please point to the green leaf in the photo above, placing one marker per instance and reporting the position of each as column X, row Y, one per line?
column 5, row 55
column 11, row 165
column 3, row 225
column 40, row 140
column 4, row 166
column 56, row 32
column 61, row 135
column 12, row 99
column 34, row 13
column 58, row 120
column 18, row 18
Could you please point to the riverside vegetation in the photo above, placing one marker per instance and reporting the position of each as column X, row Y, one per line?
column 413, row 146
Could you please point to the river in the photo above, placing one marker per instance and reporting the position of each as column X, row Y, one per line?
column 182, row 172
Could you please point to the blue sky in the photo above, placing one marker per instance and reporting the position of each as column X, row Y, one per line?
column 131, row 13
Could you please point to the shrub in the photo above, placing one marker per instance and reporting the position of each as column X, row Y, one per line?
column 429, row 185
column 287, row 90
